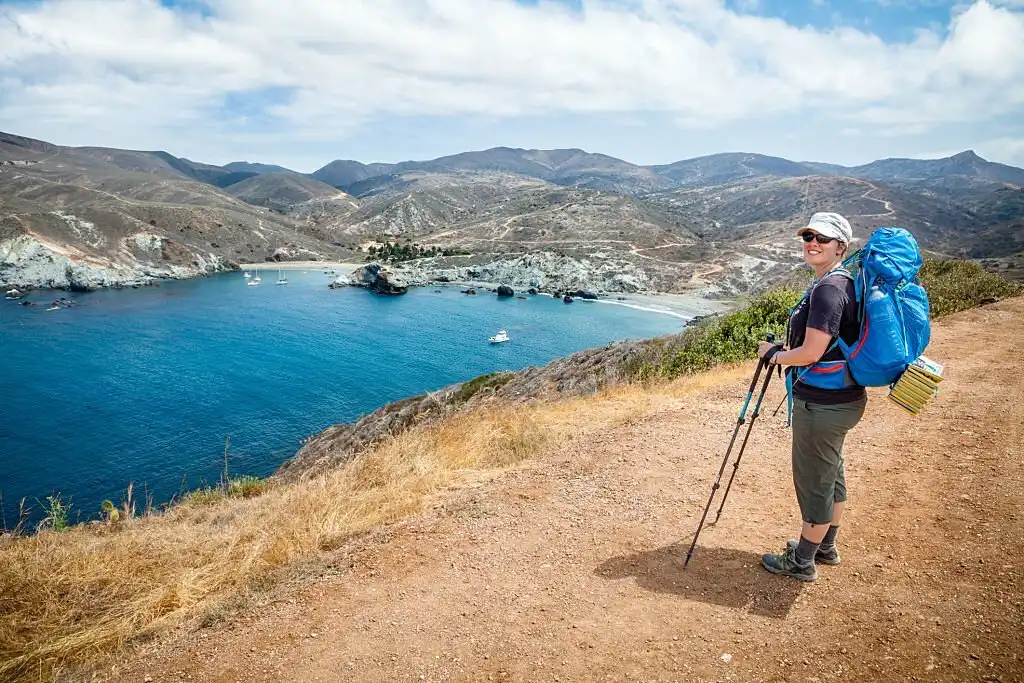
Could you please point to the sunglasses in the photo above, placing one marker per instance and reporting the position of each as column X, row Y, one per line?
column 811, row 236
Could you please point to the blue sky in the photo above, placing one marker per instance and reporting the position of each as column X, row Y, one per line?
column 651, row 81
column 896, row 20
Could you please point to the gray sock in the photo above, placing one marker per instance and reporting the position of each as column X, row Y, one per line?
column 830, row 537
column 805, row 551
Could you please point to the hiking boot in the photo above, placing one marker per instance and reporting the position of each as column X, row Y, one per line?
column 788, row 564
column 823, row 556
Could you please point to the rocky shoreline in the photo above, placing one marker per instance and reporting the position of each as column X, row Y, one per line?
column 544, row 272
column 28, row 263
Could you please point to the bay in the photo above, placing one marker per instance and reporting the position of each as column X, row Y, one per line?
column 144, row 385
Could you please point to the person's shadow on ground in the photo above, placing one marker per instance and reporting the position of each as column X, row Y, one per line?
column 719, row 576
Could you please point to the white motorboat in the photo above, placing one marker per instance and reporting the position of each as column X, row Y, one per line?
column 502, row 336
column 246, row 275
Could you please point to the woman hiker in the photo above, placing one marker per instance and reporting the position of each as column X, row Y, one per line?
column 821, row 417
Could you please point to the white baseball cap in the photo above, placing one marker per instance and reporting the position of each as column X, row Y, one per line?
column 829, row 225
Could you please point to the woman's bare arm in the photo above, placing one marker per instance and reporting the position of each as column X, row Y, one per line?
column 816, row 343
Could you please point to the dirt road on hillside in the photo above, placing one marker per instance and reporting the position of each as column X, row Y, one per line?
column 570, row 569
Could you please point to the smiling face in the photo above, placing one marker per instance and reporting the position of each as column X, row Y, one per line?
column 820, row 256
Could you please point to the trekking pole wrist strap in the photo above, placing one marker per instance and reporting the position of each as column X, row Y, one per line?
column 769, row 357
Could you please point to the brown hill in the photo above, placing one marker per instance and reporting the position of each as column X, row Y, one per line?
column 114, row 216
column 284, row 191
column 770, row 210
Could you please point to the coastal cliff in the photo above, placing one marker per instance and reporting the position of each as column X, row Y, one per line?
column 28, row 262
column 579, row 374
column 543, row 270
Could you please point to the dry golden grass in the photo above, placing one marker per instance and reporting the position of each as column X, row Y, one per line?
column 67, row 599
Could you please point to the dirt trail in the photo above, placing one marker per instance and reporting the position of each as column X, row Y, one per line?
column 888, row 205
column 571, row 568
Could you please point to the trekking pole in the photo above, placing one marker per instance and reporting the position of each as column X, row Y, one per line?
column 718, row 478
column 750, row 427
column 779, row 407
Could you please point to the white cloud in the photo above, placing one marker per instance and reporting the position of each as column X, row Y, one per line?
column 1010, row 149
column 136, row 68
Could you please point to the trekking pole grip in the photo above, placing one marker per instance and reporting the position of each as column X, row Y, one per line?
column 770, row 338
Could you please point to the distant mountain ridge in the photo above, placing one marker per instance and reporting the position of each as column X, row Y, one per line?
column 247, row 167
column 578, row 168
column 728, row 167
column 723, row 221
column 572, row 167
column 966, row 163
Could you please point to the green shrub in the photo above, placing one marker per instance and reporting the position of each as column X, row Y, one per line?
column 56, row 513
column 247, row 487
column 204, row 496
column 109, row 512
column 475, row 385
column 951, row 285
column 958, row 285
column 723, row 339
column 238, row 487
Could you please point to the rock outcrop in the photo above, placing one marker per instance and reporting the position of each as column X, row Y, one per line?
column 505, row 290
column 379, row 279
column 26, row 261
column 543, row 271
column 294, row 253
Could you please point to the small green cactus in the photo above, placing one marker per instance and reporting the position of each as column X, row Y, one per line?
column 109, row 511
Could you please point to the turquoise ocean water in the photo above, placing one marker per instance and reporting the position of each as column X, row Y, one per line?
column 143, row 385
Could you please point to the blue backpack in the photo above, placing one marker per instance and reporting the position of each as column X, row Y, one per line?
column 894, row 317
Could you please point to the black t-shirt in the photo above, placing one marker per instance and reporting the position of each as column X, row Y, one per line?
column 831, row 308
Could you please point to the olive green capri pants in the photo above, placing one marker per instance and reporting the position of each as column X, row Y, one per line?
column 818, row 434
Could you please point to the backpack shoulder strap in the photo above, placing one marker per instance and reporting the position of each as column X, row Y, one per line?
column 838, row 270
column 792, row 374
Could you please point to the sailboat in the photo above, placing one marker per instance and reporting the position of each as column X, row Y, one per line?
column 281, row 279
column 255, row 279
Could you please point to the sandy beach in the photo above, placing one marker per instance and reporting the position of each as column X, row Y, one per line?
column 321, row 266
column 685, row 306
